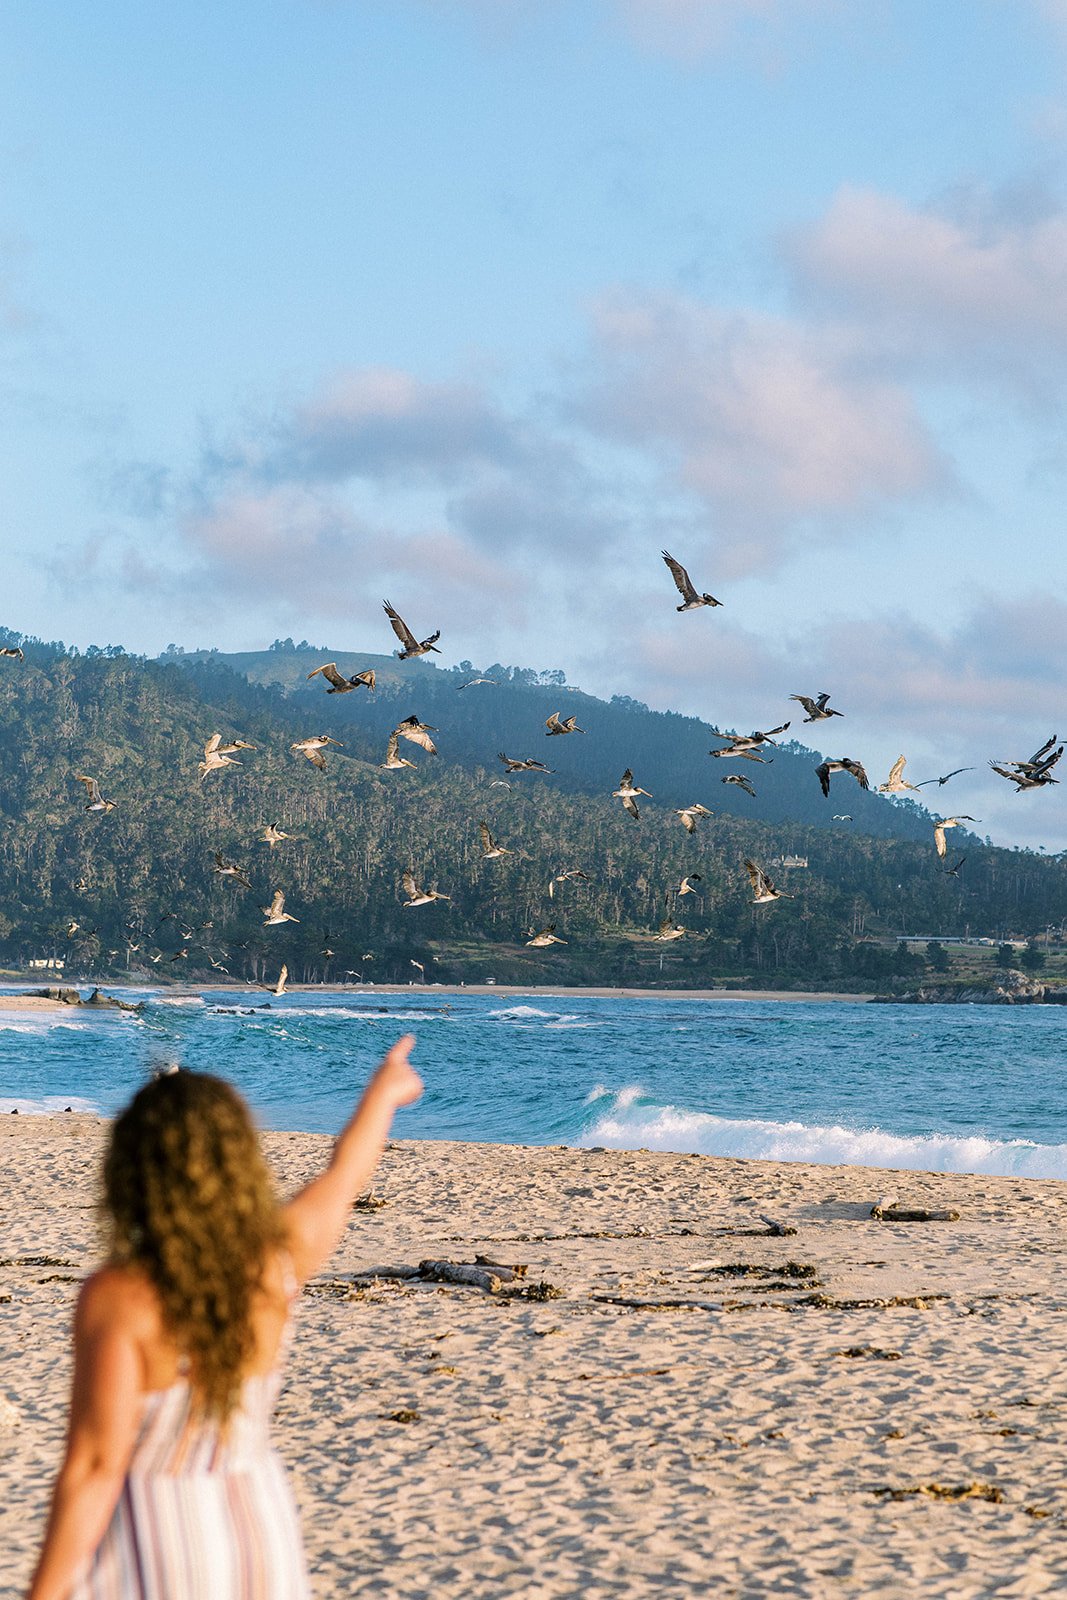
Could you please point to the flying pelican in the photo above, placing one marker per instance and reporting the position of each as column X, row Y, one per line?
column 626, row 791
column 691, row 600
column 342, row 685
column 686, row 885
column 417, row 896
column 939, row 831
column 942, row 781
column 272, row 835
column 472, row 681
column 762, row 887
column 228, row 869
column 567, row 876
column 527, row 764
column 276, row 912
column 312, row 748
column 668, row 931
column 743, row 744
column 412, row 646
column 1036, row 772
column 843, row 764
column 500, row 783
column 896, row 782
column 954, row 872
column 393, row 760
column 690, row 815
column 13, row 651
column 567, row 725
column 217, row 754
column 546, row 937
column 490, row 849
column 741, row 781
column 96, row 801
column 817, row 710
column 279, row 987
column 843, row 816
column 418, row 732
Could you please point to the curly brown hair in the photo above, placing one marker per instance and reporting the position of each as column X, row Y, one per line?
column 188, row 1198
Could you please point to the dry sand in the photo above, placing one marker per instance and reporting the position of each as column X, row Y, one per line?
column 582, row 1447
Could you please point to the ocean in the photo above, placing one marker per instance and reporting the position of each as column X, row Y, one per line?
column 945, row 1088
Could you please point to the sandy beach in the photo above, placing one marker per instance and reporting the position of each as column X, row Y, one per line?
column 863, row 1408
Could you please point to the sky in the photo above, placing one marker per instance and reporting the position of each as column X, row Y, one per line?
column 478, row 305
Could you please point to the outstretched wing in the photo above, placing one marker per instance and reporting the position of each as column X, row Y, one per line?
column 331, row 674
column 92, row 788
column 857, row 772
column 277, row 905
column 366, row 679
column 553, row 723
column 410, row 886
column 896, row 772
column 412, row 729
column 212, row 744
column 681, row 578
column 485, row 836
column 755, row 876
column 400, row 628
column 630, row 805
column 823, row 774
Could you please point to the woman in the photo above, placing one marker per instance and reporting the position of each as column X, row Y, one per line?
column 170, row 1489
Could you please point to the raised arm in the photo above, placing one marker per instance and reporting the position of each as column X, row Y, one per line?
column 316, row 1217
column 104, row 1411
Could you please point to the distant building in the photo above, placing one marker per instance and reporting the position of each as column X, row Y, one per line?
column 787, row 861
column 48, row 963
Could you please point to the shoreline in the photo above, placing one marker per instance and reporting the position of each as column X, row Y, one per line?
column 365, row 991
column 868, row 1407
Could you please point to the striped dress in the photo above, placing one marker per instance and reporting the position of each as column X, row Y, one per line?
column 202, row 1516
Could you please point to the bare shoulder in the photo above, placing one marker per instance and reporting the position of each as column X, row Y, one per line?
column 117, row 1295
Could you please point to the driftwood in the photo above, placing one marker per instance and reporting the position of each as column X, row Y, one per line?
column 776, row 1229
column 946, row 1491
column 494, row 1277
column 460, row 1272
column 887, row 1210
column 505, row 1272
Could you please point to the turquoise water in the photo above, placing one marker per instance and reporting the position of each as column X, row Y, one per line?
column 954, row 1088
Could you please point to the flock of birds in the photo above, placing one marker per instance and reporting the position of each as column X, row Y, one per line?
column 1035, row 773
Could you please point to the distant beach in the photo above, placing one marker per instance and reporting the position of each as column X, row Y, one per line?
column 862, row 1408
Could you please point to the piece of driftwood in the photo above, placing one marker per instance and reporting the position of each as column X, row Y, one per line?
column 507, row 1272
column 460, row 1272
column 887, row 1210
column 946, row 1491
column 827, row 1302
column 871, row 1351
column 657, row 1305
column 776, row 1229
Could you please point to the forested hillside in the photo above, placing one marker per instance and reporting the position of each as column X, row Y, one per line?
column 140, row 884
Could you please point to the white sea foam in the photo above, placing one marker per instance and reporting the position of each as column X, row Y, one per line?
column 49, row 1105
column 524, row 1014
column 350, row 1013
column 178, row 1000
column 628, row 1125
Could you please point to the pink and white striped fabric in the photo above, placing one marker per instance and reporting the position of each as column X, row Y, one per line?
column 202, row 1515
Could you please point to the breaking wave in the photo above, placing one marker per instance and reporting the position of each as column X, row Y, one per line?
column 630, row 1122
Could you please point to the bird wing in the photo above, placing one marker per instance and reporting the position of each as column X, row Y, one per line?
column 411, row 888
column 807, row 702
column 627, row 780
column 212, row 745
column 425, row 644
column 368, row 678
column 485, row 836
column 413, row 730
column 1045, row 748
column 553, row 723
column 277, row 905
column 823, row 774
column 92, row 788
column 896, row 772
column 857, row 772
column 631, row 805
column 755, row 875
column 317, row 759
column 681, row 578
column 688, row 821
column 939, row 838
column 400, row 628
column 331, row 674
column 772, row 731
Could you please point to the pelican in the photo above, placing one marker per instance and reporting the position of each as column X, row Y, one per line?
column 817, row 710
column 312, row 748
column 341, row 685
column 744, row 744
column 942, row 781
column 418, row 732
column 669, row 931
column 228, row 869
column 546, row 937
column 896, row 782
column 526, row 764
column 954, row 871
column 686, row 885
column 762, row 887
column 741, row 781
column 567, row 725
column 272, row 835
column 842, row 816
column 626, row 791
column 842, row 764
column 417, row 896
column 690, row 816
column 1036, row 772
column 283, row 976
column 568, row 875
column 691, row 600
column 276, row 912
column 412, row 646
column 217, row 754
column 14, row 651
column 490, row 849
column 393, row 760
column 95, row 801
column 500, row 783
column 472, row 681
column 939, row 831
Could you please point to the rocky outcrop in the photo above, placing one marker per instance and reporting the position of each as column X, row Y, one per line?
column 1009, row 988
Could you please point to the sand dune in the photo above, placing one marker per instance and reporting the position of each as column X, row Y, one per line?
column 787, row 1434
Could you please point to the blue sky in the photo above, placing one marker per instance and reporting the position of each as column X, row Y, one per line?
column 477, row 304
